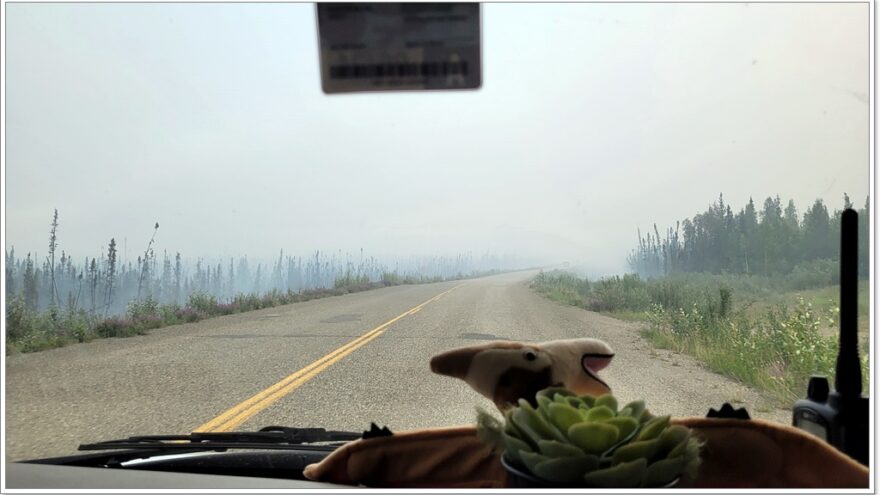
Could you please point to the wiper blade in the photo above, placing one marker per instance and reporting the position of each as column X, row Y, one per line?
column 270, row 437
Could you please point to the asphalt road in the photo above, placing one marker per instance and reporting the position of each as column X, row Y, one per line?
column 179, row 378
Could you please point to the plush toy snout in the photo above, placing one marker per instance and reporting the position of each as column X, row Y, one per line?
column 507, row 371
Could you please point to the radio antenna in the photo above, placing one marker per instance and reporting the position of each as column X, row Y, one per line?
column 848, row 376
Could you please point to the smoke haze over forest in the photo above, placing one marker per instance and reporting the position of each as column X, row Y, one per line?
column 593, row 121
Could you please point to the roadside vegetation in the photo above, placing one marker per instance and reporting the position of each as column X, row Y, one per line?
column 768, row 326
column 724, row 322
column 59, row 301
column 30, row 331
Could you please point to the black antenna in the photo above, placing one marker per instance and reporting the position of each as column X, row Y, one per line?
column 848, row 376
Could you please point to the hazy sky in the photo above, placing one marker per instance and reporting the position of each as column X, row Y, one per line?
column 593, row 120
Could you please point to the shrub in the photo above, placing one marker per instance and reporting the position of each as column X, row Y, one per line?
column 349, row 280
column 248, row 302
column 564, row 287
column 188, row 315
column 813, row 274
column 778, row 350
column 77, row 326
column 18, row 321
column 621, row 293
column 141, row 325
column 114, row 327
column 147, row 308
column 168, row 312
column 80, row 331
column 202, row 302
column 227, row 308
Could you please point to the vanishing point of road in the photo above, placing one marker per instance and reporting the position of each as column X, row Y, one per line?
column 337, row 363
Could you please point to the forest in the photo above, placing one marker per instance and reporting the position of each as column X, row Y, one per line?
column 772, row 240
column 753, row 294
column 53, row 299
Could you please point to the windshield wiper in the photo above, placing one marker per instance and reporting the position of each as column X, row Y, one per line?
column 270, row 437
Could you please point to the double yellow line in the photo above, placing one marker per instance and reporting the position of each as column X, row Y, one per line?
column 241, row 412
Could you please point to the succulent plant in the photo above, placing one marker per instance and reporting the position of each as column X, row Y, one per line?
column 587, row 441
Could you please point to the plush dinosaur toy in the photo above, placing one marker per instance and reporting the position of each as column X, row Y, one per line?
column 506, row 371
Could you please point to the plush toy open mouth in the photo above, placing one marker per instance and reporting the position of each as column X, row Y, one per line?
column 592, row 363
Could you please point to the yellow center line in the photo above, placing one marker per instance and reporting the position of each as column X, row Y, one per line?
column 239, row 413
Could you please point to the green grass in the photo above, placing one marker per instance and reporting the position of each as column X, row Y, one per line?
column 628, row 315
column 756, row 330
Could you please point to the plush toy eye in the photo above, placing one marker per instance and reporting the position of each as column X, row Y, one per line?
column 530, row 355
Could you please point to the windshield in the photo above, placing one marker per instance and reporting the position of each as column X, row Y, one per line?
column 199, row 238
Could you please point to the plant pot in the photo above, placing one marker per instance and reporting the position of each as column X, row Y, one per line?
column 520, row 477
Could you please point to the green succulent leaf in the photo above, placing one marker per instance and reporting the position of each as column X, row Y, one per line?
column 551, row 392
column 636, row 409
column 509, row 426
column 513, row 446
column 575, row 402
column 678, row 450
column 624, row 475
column 566, row 469
column 646, row 449
column 599, row 413
column 520, row 419
column 593, row 438
column 531, row 459
column 653, row 428
column 607, row 400
column 563, row 416
column 626, row 426
column 664, row 471
column 672, row 437
column 589, row 400
column 533, row 425
column 553, row 448
column 543, row 402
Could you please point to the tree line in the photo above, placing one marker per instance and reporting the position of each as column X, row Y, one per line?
column 772, row 240
column 105, row 284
